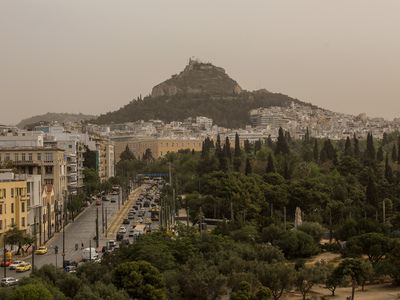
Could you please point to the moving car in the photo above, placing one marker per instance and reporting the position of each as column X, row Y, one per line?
column 23, row 267
column 122, row 230
column 113, row 200
column 41, row 250
column 70, row 269
column 98, row 202
column 9, row 281
column 6, row 263
column 125, row 221
column 15, row 264
column 70, row 262
column 131, row 216
column 140, row 220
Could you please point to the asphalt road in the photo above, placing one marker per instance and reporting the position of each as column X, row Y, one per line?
column 82, row 230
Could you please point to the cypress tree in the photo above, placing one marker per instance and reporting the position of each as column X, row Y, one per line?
column 370, row 147
column 270, row 143
column 271, row 165
column 385, row 139
column 247, row 146
column 281, row 145
column 248, row 166
column 379, row 154
column 348, row 150
column 372, row 192
column 398, row 149
column 394, row 153
column 356, row 147
column 257, row 146
column 237, row 146
column 315, row 151
column 388, row 170
column 228, row 149
column 218, row 148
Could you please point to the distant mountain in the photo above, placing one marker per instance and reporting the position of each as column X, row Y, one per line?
column 53, row 117
column 201, row 89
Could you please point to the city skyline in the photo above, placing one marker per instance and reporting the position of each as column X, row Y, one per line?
column 93, row 57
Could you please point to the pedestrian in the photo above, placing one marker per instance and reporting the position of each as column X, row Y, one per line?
column 82, row 245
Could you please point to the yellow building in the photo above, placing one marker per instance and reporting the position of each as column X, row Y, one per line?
column 13, row 204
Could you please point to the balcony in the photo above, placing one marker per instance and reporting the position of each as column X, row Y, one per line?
column 21, row 163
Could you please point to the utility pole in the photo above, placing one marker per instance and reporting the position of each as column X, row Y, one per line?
column 106, row 225
column 97, row 226
column 102, row 217
column 90, row 250
column 4, row 258
column 63, row 230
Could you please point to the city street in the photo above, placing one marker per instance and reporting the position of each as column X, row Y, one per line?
column 82, row 230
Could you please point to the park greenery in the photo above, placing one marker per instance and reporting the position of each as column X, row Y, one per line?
column 348, row 193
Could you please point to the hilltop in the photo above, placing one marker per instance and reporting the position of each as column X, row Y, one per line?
column 53, row 117
column 201, row 89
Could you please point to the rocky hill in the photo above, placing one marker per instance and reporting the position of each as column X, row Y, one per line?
column 53, row 117
column 198, row 78
column 201, row 89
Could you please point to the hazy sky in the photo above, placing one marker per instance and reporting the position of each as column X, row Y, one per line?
column 95, row 56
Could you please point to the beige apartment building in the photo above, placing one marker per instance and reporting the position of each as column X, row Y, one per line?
column 158, row 147
column 48, row 162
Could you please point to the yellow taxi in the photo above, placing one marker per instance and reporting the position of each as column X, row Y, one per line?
column 23, row 267
column 41, row 250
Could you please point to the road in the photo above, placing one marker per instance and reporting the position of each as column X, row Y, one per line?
column 83, row 229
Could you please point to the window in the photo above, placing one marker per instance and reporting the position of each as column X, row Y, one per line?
column 188, row 144
column 167, row 144
column 200, row 144
column 183, row 144
column 16, row 157
column 22, row 207
column 173, row 144
column 1, row 224
column 194, row 144
column 160, row 146
column 12, row 221
column 70, row 146
column 7, row 156
column 39, row 156
column 48, row 157
column 39, row 170
column 48, row 181
column 0, row 156
column 12, row 208
column 49, row 170
column 1, row 209
column 161, row 153
column 30, row 156
column 12, row 192
column 23, row 156
column 23, row 222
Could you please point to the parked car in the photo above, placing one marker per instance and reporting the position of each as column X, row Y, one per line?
column 131, row 232
column 70, row 262
column 140, row 220
column 125, row 221
column 23, row 267
column 98, row 202
column 6, row 263
column 131, row 216
column 15, row 264
column 41, row 250
column 111, row 243
column 9, row 281
column 126, row 242
column 122, row 230
column 113, row 200
column 105, row 198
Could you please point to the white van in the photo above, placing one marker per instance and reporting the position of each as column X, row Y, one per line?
column 89, row 253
